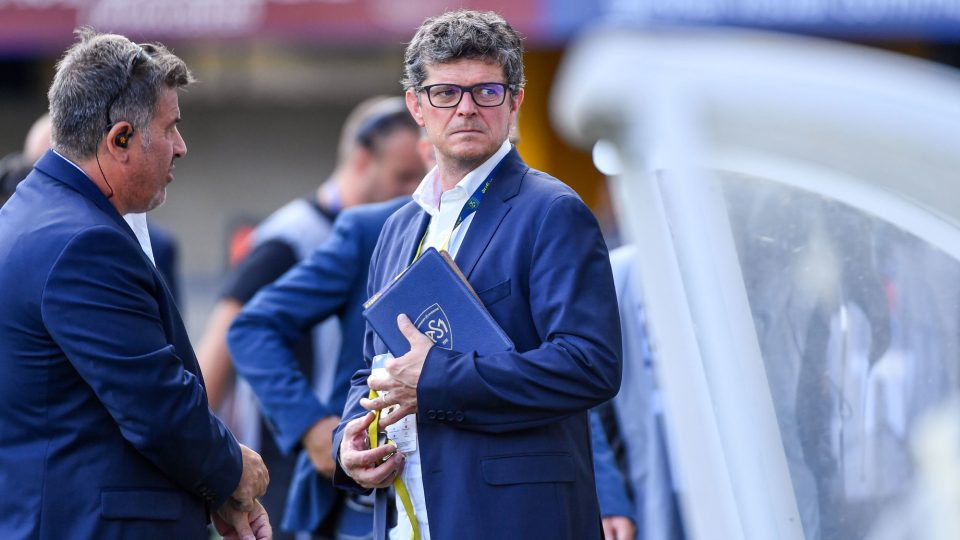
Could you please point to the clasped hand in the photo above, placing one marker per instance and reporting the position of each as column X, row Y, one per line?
column 396, row 386
column 397, row 383
column 242, row 517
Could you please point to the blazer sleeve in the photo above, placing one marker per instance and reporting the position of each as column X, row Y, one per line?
column 611, row 484
column 263, row 336
column 358, row 383
column 577, row 366
column 99, row 305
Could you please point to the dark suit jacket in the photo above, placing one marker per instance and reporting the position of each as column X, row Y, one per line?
column 332, row 281
column 504, row 438
column 105, row 430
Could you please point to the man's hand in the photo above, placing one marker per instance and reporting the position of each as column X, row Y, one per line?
column 397, row 384
column 318, row 441
column 235, row 524
column 618, row 528
column 253, row 482
column 362, row 463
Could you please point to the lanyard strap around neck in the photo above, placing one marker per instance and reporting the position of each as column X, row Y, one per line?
column 469, row 207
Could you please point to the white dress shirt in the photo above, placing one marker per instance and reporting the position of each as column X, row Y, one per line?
column 444, row 208
column 138, row 222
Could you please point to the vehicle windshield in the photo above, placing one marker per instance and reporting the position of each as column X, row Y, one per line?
column 858, row 323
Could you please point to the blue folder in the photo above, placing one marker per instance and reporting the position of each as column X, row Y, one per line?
column 441, row 303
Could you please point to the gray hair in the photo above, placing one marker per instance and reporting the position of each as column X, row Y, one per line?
column 104, row 78
column 475, row 35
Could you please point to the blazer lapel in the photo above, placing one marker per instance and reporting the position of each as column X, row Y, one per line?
column 412, row 236
column 493, row 209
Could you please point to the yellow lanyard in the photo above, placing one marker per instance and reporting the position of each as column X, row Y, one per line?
column 398, row 485
column 443, row 246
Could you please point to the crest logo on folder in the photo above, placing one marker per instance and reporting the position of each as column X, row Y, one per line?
column 433, row 322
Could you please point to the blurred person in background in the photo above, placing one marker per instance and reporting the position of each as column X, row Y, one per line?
column 105, row 429
column 487, row 444
column 331, row 282
column 631, row 428
column 377, row 160
column 619, row 521
column 16, row 166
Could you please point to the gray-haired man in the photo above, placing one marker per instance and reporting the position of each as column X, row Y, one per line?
column 105, row 430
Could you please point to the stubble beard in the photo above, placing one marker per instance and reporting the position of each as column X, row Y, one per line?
column 158, row 199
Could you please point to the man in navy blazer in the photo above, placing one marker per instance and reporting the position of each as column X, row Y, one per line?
column 498, row 445
column 331, row 282
column 105, row 430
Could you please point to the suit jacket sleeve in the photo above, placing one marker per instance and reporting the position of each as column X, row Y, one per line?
column 99, row 305
column 577, row 365
column 358, row 386
column 611, row 485
column 262, row 338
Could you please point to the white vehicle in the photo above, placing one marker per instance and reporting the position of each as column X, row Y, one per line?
column 795, row 204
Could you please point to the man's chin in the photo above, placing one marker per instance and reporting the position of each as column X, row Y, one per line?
column 158, row 200
column 472, row 152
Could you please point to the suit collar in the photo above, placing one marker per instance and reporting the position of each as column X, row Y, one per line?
column 509, row 177
column 493, row 209
column 485, row 223
column 428, row 194
column 58, row 168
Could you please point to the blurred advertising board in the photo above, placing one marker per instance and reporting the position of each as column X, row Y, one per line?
column 33, row 26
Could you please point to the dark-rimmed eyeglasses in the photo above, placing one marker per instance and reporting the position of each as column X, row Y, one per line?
column 447, row 95
column 139, row 57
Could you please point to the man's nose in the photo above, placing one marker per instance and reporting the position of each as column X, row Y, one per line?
column 467, row 105
column 180, row 146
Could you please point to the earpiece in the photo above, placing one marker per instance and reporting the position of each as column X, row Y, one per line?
column 122, row 138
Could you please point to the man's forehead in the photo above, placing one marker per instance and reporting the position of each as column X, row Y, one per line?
column 169, row 103
column 464, row 66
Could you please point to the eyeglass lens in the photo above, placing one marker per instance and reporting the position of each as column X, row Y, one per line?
column 449, row 95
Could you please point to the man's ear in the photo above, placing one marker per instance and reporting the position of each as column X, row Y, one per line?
column 413, row 105
column 118, row 139
column 517, row 100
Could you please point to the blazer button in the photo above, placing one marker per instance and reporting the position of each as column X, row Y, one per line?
column 441, row 416
column 458, row 417
column 450, row 415
column 431, row 414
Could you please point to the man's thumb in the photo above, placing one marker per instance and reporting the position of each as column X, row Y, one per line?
column 244, row 532
column 407, row 328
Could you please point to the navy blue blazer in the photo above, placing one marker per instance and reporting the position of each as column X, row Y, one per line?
column 332, row 281
column 504, row 438
column 105, row 431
